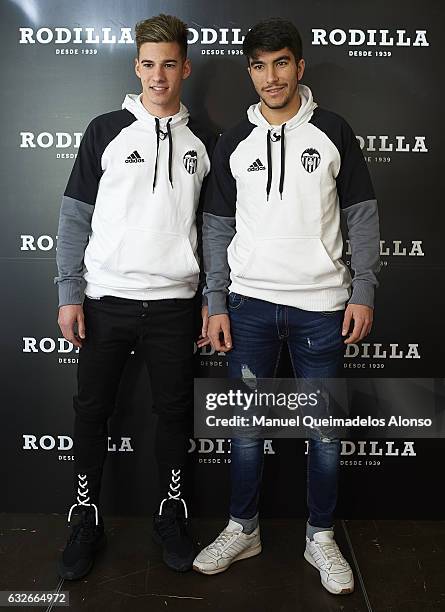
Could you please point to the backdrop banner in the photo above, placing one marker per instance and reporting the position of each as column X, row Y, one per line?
column 65, row 63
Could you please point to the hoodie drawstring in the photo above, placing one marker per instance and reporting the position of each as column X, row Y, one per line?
column 269, row 162
column 269, row 165
column 157, row 153
column 170, row 152
column 282, row 161
column 160, row 135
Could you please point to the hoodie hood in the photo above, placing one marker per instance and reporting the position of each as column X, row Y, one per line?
column 133, row 103
column 278, row 133
column 305, row 111
column 162, row 126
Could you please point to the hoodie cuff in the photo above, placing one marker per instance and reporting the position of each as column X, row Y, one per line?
column 217, row 302
column 70, row 292
column 362, row 293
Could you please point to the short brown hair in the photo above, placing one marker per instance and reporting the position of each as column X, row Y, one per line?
column 163, row 28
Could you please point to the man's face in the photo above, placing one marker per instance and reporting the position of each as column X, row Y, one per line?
column 161, row 69
column 275, row 76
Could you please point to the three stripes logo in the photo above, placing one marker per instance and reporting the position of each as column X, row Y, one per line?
column 257, row 165
column 134, row 158
column 190, row 161
column 310, row 159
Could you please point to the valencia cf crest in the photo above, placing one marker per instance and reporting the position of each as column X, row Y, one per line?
column 310, row 159
column 190, row 160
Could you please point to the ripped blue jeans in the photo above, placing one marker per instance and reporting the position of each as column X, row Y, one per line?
column 259, row 331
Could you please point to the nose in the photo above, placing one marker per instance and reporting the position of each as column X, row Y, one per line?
column 271, row 74
column 158, row 74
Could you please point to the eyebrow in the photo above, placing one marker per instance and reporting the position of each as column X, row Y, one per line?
column 279, row 59
column 163, row 61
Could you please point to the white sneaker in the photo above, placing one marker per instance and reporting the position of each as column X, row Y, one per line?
column 231, row 545
column 323, row 553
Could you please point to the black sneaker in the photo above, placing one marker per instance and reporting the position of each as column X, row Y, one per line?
column 85, row 540
column 170, row 531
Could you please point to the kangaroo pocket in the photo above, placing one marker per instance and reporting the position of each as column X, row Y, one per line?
column 145, row 253
column 289, row 261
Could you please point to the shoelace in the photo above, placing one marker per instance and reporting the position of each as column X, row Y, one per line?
column 174, row 491
column 221, row 541
column 83, row 498
column 331, row 553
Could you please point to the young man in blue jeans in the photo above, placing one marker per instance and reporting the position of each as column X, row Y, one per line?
column 281, row 180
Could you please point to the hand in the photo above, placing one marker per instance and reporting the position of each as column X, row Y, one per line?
column 220, row 324
column 362, row 317
column 203, row 338
column 71, row 316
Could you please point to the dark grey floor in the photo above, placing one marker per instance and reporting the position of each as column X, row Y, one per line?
column 399, row 566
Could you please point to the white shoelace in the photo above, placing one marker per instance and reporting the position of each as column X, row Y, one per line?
column 174, row 491
column 83, row 498
column 221, row 541
column 331, row 553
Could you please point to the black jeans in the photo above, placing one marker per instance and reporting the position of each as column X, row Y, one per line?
column 164, row 333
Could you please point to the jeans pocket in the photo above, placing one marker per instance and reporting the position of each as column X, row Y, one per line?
column 235, row 301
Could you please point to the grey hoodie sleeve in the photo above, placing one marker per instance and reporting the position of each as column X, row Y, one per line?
column 74, row 231
column 362, row 220
column 218, row 232
column 209, row 139
column 359, row 208
column 78, row 203
column 219, row 224
column 218, row 228
column 75, row 218
column 357, row 204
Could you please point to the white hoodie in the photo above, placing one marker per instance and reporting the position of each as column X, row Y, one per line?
column 143, row 176
column 272, row 224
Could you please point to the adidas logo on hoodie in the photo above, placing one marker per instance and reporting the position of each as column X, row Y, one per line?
column 134, row 158
column 257, row 165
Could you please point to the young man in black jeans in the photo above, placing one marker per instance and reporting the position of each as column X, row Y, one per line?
column 128, row 229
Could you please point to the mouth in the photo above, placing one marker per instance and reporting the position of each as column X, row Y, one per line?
column 158, row 88
column 276, row 90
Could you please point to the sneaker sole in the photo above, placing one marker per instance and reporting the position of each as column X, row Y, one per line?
column 252, row 552
column 344, row 591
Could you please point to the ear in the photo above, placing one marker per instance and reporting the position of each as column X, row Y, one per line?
column 186, row 69
column 137, row 67
column 300, row 69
